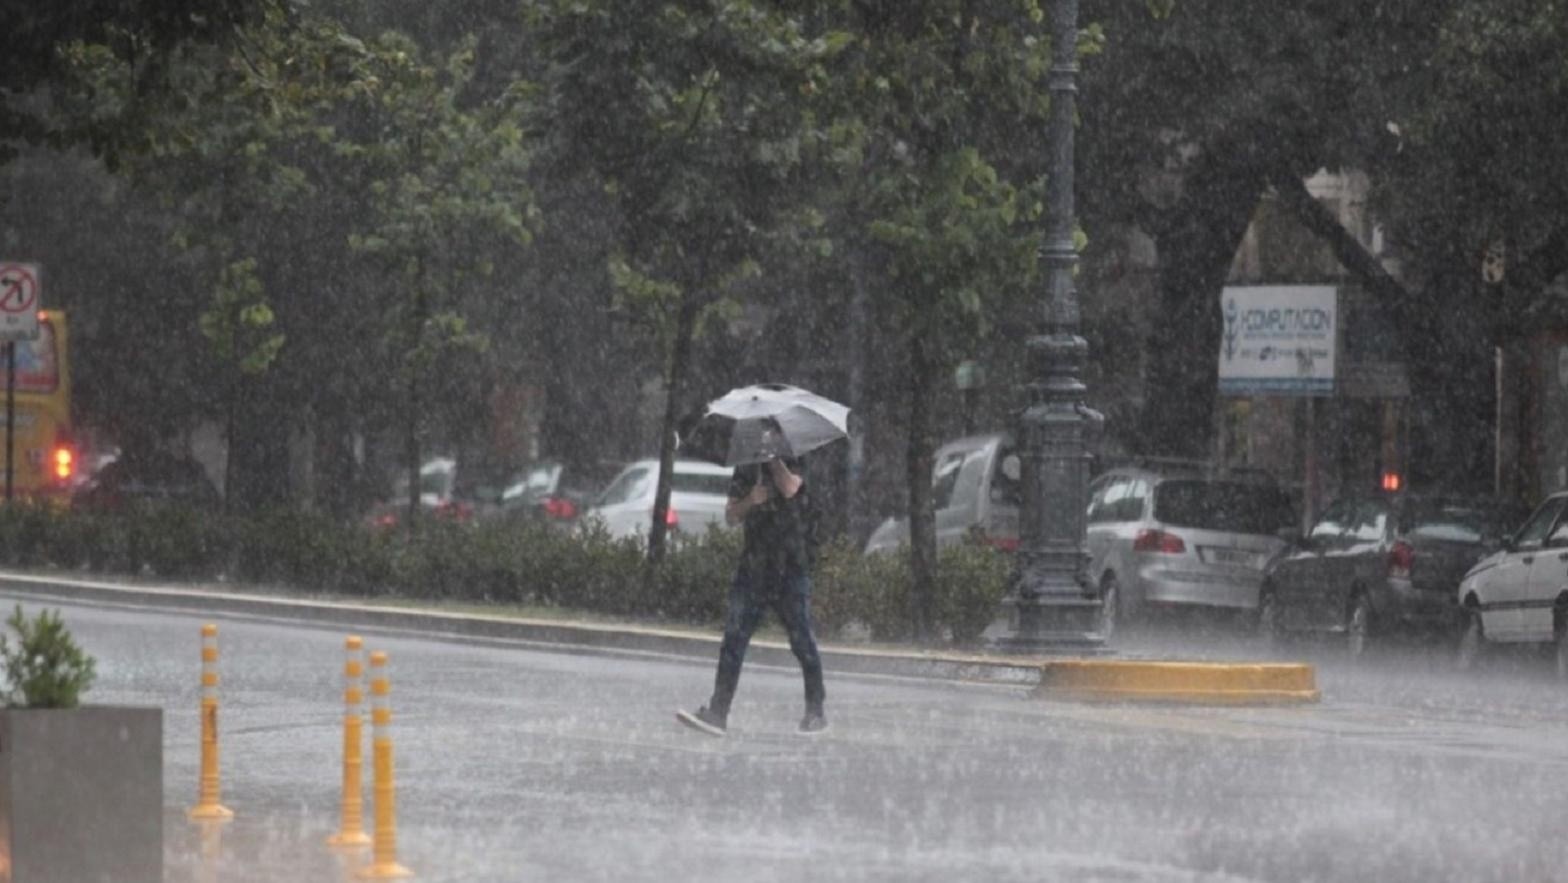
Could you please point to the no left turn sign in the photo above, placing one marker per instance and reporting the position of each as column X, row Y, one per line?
column 19, row 301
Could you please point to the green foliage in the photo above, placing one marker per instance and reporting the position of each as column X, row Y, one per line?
column 497, row 562
column 240, row 324
column 873, row 591
column 934, row 171
column 693, row 583
column 711, row 126
column 971, row 578
column 345, row 205
column 176, row 541
column 142, row 36
column 44, row 668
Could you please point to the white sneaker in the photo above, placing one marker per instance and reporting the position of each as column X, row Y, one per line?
column 703, row 721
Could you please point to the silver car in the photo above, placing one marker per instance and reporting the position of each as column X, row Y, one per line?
column 974, row 489
column 1175, row 534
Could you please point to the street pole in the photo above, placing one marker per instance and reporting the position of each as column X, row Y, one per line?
column 1051, row 607
column 10, row 416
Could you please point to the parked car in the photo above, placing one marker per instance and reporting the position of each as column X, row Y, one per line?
column 975, row 490
column 1520, row 592
column 1203, row 540
column 555, row 492
column 1377, row 562
column 147, row 477
column 438, row 486
column 698, row 494
column 1182, row 533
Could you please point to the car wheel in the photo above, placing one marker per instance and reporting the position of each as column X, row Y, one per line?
column 1472, row 640
column 1358, row 626
column 1560, row 641
column 1111, row 606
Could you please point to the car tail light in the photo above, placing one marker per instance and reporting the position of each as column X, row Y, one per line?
column 1158, row 541
column 560, row 507
column 1400, row 557
column 1004, row 544
column 672, row 519
column 64, row 462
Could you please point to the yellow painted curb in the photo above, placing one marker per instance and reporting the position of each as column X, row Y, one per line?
column 1206, row 683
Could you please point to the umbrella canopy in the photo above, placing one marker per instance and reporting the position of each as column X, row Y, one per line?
column 754, row 424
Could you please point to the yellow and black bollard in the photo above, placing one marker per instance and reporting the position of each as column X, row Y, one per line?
column 208, row 807
column 383, row 864
column 351, row 833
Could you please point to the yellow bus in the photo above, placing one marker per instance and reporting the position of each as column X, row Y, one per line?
column 43, row 459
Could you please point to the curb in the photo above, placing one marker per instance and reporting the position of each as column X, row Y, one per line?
column 1075, row 679
column 1203, row 683
column 607, row 639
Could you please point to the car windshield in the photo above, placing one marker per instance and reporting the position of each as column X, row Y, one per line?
column 537, row 481
column 1224, row 506
column 1454, row 521
column 628, row 487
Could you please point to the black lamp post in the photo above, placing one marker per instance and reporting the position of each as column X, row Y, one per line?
column 1050, row 606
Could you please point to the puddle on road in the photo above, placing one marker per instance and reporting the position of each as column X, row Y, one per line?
column 255, row 848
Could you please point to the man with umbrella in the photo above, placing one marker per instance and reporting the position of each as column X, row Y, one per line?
column 762, row 431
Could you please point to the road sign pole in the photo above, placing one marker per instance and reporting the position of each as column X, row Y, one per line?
column 10, row 416
column 19, row 305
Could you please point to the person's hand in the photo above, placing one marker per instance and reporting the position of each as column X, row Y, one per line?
column 786, row 481
column 759, row 494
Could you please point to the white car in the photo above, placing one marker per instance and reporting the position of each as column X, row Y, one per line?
column 1520, row 593
column 698, row 492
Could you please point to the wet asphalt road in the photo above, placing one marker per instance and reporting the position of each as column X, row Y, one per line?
column 522, row 764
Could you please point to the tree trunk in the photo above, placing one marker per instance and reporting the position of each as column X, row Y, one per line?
column 918, row 463
column 339, row 473
column 1453, row 395
column 412, row 416
column 859, row 519
column 1195, row 255
column 411, row 451
column 258, row 461
column 675, row 392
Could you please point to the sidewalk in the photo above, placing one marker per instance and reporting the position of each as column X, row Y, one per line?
column 1072, row 678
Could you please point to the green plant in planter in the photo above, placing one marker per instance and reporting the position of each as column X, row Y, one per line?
column 44, row 668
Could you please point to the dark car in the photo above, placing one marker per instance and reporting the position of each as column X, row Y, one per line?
column 1377, row 563
column 154, row 477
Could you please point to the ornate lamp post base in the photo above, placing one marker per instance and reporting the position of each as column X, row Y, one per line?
column 1052, row 626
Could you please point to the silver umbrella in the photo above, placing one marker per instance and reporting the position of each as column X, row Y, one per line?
column 754, row 424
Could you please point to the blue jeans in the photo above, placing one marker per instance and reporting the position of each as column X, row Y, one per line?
column 788, row 595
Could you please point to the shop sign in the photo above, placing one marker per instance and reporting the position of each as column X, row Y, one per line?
column 1278, row 340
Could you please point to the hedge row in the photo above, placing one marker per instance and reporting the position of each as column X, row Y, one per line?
column 492, row 562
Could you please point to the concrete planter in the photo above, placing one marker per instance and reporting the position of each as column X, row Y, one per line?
column 81, row 795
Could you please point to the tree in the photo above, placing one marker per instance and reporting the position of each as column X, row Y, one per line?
column 142, row 37
column 931, row 191
column 1458, row 175
column 352, row 193
column 692, row 114
column 1190, row 115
